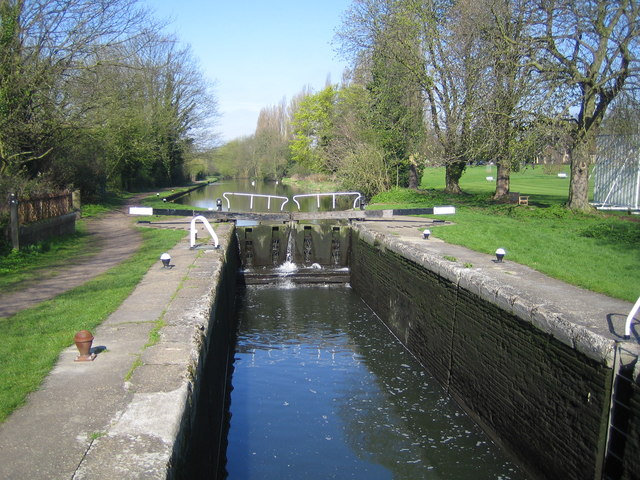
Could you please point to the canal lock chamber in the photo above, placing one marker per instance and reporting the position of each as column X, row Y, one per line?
column 523, row 387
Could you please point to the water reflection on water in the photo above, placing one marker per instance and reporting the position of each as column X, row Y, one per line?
column 206, row 197
column 321, row 389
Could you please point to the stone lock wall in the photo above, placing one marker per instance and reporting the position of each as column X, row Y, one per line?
column 199, row 448
column 543, row 401
column 632, row 446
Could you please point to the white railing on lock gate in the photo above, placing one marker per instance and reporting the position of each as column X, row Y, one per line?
column 358, row 196
column 285, row 200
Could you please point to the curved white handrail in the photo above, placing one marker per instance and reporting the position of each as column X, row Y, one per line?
column 632, row 313
column 251, row 195
column 207, row 226
column 330, row 194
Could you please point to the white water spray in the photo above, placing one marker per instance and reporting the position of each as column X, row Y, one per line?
column 288, row 267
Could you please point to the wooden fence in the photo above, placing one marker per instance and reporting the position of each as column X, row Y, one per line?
column 44, row 206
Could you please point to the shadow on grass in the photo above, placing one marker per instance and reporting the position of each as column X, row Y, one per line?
column 40, row 260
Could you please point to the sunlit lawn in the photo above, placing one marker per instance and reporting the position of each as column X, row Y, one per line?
column 41, row 260
column 543, row 188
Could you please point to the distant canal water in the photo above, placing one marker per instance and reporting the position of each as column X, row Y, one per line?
column 322, row 390
column 206, row 197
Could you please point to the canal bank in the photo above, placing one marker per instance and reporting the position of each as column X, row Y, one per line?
column 92, row 421
column 126, row 414
column 536, row 362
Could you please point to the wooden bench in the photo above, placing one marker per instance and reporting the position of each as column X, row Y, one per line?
column 515, row 197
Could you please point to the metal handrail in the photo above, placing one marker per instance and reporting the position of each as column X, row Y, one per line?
column 208, row 226
column 251, row 195
column 632, row 313
column 332, row 194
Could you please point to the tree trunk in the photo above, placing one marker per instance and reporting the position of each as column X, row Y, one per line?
column 414, row 181
column 502, row 180
column 579, row 185
column 453, row 172
column 579, row 181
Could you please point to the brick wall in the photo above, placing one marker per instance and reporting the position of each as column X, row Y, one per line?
column 543, row 401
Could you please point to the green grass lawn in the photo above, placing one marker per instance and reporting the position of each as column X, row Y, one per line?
column 41, row 260
column 541, row 183
column 599, row 251
column 33, row 339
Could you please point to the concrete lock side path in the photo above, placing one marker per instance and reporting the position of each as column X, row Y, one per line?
column 87, row 422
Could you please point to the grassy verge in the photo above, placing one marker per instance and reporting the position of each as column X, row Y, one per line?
column 312, row 184
column 109, row 203
column 596, row 251
column 33, row 339
column 41, row 260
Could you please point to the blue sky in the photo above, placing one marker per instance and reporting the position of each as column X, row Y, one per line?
column 257, row 51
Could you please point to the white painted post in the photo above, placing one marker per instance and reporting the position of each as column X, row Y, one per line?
column 207, row 226
column 14, row 220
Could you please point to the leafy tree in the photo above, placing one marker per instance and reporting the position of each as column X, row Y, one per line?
column 92, row 94
column 313, row 130
column 424, row 43
column 360, row 162
column 455, row 83
column 45, row 45
column 513, row 96
column 396, row 98
column 25, row 109
column 589, row 55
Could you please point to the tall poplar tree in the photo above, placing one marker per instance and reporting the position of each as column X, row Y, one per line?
column 396, row 97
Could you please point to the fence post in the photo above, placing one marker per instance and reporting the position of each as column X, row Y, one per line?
column 14, row 226
column 75, row 200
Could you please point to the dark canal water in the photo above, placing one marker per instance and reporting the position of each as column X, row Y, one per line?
column 322, row 390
